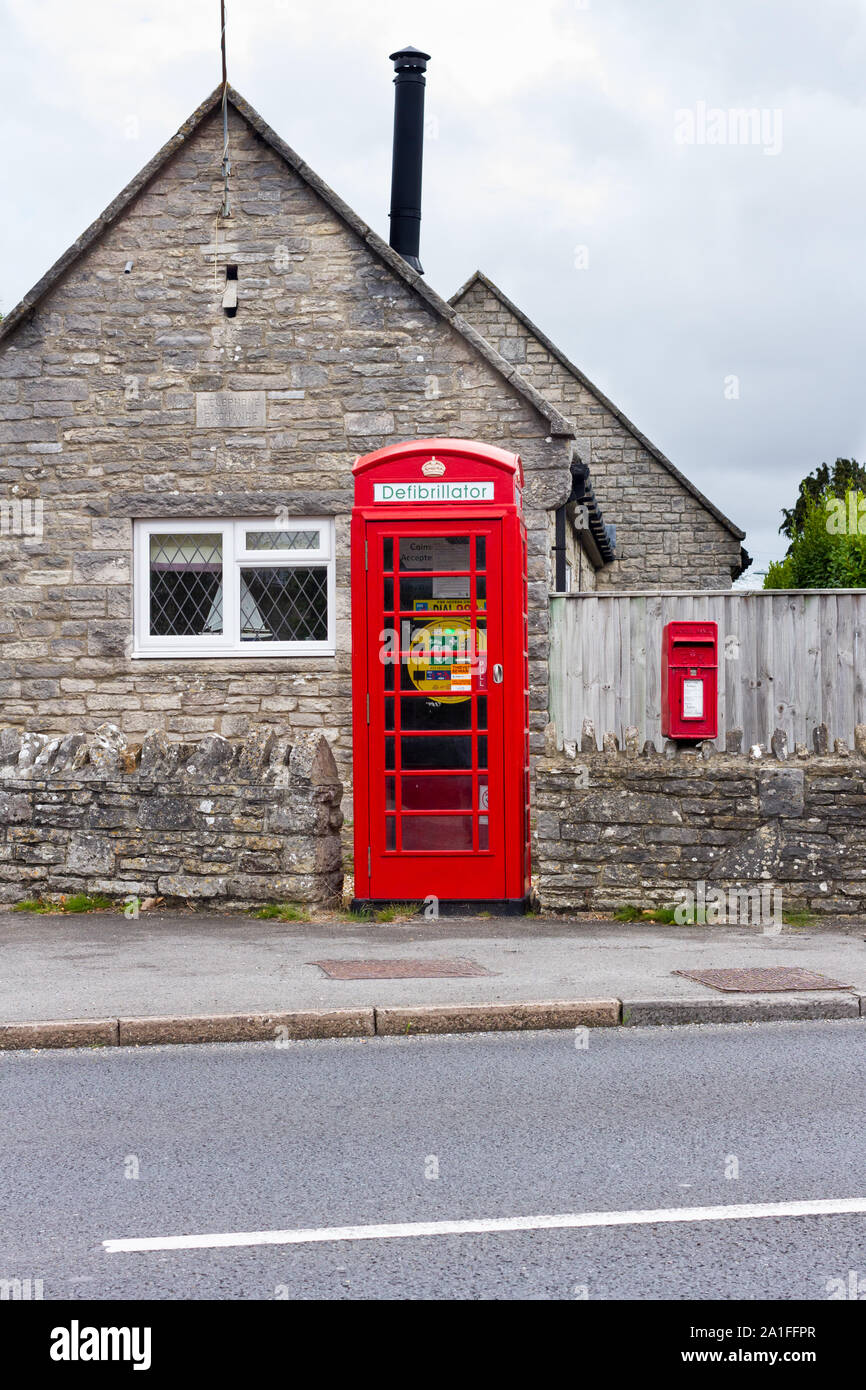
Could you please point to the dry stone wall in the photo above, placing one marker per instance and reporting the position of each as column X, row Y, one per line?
column 620, row 827
column 230, row 824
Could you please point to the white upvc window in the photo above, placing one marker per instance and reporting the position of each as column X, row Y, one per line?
column 253, row 587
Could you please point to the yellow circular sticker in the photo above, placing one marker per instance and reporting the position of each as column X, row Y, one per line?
column 441, row 658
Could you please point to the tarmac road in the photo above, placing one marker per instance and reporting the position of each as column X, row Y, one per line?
column 257, row 1138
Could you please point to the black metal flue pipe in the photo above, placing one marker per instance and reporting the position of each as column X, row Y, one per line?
column 410, row 65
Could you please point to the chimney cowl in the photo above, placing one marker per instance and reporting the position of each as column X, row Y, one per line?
column 409, row 57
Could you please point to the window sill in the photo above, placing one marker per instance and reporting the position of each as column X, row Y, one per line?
column 247, row 653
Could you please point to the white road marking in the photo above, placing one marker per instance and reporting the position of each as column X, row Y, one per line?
column 414, row 1230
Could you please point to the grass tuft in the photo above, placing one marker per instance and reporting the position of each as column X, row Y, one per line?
column 800, row 918
column 282, row 912
column 391, row 914
column 76, row 902
column 85, row 902
column 629, row 912
column 666, row 914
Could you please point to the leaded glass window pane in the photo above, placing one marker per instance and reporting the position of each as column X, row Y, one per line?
column 282, row 540
column 186, row 585
column 282, row 604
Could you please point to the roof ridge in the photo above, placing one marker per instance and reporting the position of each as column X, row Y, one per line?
column 479, row 277
column 559, row 425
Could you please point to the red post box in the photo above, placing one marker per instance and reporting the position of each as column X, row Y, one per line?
column 440, row 676
column 690, row 675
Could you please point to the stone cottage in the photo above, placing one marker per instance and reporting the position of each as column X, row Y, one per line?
column 182, row 397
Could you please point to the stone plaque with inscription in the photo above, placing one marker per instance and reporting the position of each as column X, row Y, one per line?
column 229, row 409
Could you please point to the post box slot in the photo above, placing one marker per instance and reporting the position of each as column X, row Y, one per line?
column 701, row 654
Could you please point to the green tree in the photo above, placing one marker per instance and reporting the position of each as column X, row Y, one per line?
column 828, row 546
column 838, row 480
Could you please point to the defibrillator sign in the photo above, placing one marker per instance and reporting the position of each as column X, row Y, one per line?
column 433, row 492
column 441, row 657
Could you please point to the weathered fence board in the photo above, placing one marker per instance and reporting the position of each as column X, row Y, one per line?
column 787, row 660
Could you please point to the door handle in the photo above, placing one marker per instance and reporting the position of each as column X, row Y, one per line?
column 497, row 674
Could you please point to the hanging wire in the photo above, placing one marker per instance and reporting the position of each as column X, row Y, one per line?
column 226, row 208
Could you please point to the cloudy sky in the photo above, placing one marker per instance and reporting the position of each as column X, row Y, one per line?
column 707, row 274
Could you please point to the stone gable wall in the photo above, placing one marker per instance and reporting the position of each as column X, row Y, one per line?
column 231, row 824
column 664, row 537
column 617, row 828
column 100, row 394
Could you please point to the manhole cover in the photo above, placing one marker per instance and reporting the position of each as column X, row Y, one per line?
column 397, row 969
column 763, row 980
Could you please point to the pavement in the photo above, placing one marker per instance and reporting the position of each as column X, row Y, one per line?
column 335, row 1169
column 190, row 977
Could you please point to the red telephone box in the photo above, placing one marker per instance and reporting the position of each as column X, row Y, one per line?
column 440, row 676
column 690, row 662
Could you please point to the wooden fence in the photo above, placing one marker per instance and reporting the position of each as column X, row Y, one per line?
column 788, row 659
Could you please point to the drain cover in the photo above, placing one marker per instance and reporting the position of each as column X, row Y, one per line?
column 765, row 980
column 397, row 969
